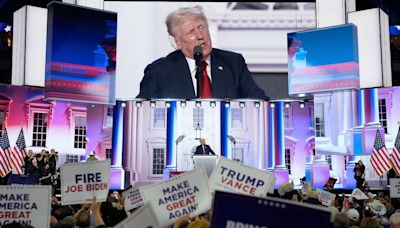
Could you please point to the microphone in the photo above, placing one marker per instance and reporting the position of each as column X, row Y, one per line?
column 198, row 57
column 198, row 54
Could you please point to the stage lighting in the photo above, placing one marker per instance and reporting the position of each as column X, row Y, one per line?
column 138, row 104
column 272, row 105
column 183, row 104
column 287, row 104
column 213, row 104
column 167, row 104
column 123, row 104
column 301, row 95
column 242, row 104
column 302, row 104
column 257, row 104
column 152, row 104
column 227, row 104
column 198, row 104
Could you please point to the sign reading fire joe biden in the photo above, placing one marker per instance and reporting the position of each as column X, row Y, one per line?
column 25, row 204
column 187, row 193
column 233, row 176
column 81, row 181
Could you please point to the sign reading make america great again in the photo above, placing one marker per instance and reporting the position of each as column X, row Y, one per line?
column 187, row 193
column 25, row 204
column 81, row 181
column 233, row 176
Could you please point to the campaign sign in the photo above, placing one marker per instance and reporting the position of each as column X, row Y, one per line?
column 325, row 197
column 133, row 199
column 25, row 204
column 394, row 187
column 237, row 210
column 142, row 217
column 81, row 181
column 330, row 183
column 187, row 193
column 234, row 176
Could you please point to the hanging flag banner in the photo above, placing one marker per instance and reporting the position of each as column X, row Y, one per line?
column 81, row 181
column 133, row 199
column 238, row 210
column 187, row 193
column 234, row 176
column 142, row 217
column 325, row 197
column 25, row 204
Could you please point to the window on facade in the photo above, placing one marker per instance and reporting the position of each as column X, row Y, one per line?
column 39, row 129
column 287, row 160
column 159, row 118
column 108, row 153
column 110, row 113
column 1, row 122
column 158, row 161
column 72, row 158
column 237, row 117
column 80, row 132
column 198, row 117
column 383, row 114
column 319, row 120
column 329, row 161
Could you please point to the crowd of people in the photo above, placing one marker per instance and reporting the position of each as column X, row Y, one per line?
column 43, row 166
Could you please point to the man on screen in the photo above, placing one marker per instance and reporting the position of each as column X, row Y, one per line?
column 203, row 148
column 224, row 74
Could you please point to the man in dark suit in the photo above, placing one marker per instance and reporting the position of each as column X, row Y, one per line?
column 225, row 73
column 203, row 148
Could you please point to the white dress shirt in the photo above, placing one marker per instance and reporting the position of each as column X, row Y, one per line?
column 192, row 68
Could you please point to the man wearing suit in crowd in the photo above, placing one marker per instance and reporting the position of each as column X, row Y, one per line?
column 173, row 76
column 203, row 148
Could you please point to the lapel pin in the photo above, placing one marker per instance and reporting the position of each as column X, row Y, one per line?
column 220, row 68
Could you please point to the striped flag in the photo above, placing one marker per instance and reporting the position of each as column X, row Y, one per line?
column 5, row 159
column 20, row 151
column 380, row 159
column 5, row 145
column 395, row 158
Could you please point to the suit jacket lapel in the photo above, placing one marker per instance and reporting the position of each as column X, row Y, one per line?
column 183, row 76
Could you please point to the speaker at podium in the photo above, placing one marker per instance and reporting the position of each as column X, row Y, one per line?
column 208, row 161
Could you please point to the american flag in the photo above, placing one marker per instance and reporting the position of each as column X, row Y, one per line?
column 5, row 158
column 380, row 160
column 395, row 158
column 19, row 151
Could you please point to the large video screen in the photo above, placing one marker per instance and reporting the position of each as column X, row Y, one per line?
column 80, row 54
column 323, row 59
column 394, row 31
column 5, row 52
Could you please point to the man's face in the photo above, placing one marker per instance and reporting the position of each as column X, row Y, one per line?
column 191, row 32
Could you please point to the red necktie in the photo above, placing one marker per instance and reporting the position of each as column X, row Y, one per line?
column 205, row 84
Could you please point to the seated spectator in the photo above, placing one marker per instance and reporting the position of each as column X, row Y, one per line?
column 380, row 211
column 353, row 216
column 82, row 219
column 341, row 220
column 369, row 222
column 395, row 220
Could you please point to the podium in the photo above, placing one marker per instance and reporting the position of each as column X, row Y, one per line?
column 208, row 161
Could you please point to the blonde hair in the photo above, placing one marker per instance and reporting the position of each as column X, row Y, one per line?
column 176, row 17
